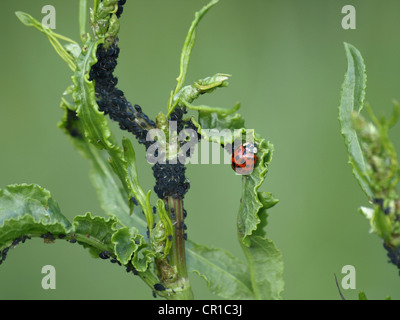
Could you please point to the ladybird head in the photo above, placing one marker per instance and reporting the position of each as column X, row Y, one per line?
column 250, row 147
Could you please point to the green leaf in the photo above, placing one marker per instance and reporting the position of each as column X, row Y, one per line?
column 362, row 296
column 206, row 110
column 53, row 37
column 186, row 95
column 94, row 124
column 160, row 240
column 226, row 276
column 29, row 210
column 142, row 258
column 214, row 122
column 213, row 118
column 252, row 202
column 265, row 260
column 113, row 199
column 73, row 49
column 26, row 19
column 133, row 182
column 352, row 99
column 268, row 201
column 187, row 50
column 94, row 232
column 126, row 242
column 266, row 268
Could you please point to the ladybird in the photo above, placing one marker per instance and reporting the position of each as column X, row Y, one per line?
column 244, row 159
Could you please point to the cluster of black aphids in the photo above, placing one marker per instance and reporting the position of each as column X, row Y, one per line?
column 177, row 116
column 120, row 7
column 70, row 125
column 170, row 178
column 3, row 254
column 393, row 254
column 112, row 101
column 15, row 242
column 105, row 255
column 182, row 225
column 50, row 238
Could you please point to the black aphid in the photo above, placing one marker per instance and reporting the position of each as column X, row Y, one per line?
column 134, row 200
column 105, row 254
column 134, row 271
column 159, row 287
column 129, row 268
column 378, row 201
column 24, row 238
column 48, row 236
column 4, row 253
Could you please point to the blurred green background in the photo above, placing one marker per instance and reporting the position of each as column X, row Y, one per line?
column 287, row 60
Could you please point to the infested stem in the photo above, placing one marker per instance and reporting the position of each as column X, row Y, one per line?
column 177, row 254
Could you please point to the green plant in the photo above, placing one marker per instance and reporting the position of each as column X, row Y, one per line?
column 148, row 240
column 371, row 155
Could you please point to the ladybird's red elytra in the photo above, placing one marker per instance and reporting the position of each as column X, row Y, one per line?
column 244, row 159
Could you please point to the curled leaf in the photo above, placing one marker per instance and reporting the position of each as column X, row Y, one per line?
column 352, row 99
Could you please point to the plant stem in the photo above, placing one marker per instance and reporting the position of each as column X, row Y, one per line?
column 177, row 255
column 82, row 19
